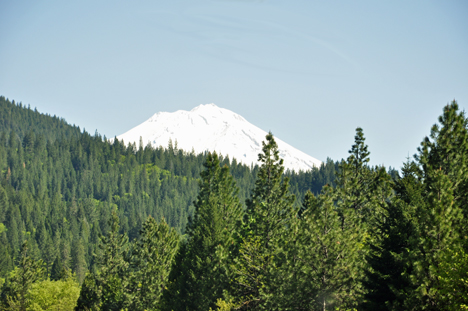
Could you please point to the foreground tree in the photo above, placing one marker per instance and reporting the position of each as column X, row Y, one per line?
column 15, row 293
column 151, row 262
column 388, row 268
column 440, row 224
column 269, row 216
column 200, row 276
column 323, row 263
column 61, row 295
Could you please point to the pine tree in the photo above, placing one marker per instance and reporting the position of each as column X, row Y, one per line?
column 57, row 271
column 362, row 194
column 79, row 265
column 440, row 225
column 267, row 219
column 107, row 287
column 388, row 267
column 203, row 276
column 323, row 260
column 151, row 263
column 6, row 263
column 15, row 291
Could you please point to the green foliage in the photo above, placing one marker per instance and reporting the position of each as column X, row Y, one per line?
column 443, row 159
column 224, row 305
column 367, row 241
column 89, row 298
column 325, row 261
column 109, row 285
column 268, row 218
column 49, row 295
column 15, row 293
column 453, row 277
column 58, row 271
column 151, row 263
column 204, row 260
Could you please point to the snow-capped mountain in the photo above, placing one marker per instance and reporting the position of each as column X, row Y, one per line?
column 208, row 127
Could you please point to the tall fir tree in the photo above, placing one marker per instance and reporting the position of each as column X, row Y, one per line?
column 267, row 220
column 440, row 225
column 106, row 288
column 387, row 280
column 151, row 262
column 202, row 276
column 361, row 194
column 79, row 265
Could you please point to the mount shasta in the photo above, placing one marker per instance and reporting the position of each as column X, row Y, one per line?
column 209, row 127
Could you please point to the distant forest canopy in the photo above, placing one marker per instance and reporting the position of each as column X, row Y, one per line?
column 86, row 224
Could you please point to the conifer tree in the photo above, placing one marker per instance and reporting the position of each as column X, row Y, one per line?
column 107, row 287
column 268, row 217
column 447, row 151
column 15, row 291
column 6, row 263
column 361, row 195
column 440, row 225
column 387, row 281
column 79, row 265
column 58, row 271
column 202, row 276
column 151, row 263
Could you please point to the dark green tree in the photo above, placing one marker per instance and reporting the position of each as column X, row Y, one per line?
column 387, row 280
column 79, row 265
column 108, row 285
column 203, row 276
column 58, row 271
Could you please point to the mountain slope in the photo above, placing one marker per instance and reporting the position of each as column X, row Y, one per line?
column 208, row 127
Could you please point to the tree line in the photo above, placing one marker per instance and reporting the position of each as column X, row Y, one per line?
column 83, row 219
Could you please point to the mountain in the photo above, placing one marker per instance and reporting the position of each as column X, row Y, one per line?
column 209, row 127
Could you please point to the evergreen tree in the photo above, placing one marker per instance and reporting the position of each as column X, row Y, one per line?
column 79, row 265
column 203, row 276
column 362, row 193
column 107, row 287
column 443, row 158
column 57, row 271
column 15, row 291
column 268, row 217
column 388, row 268
column 6, row 263
column 151, row 263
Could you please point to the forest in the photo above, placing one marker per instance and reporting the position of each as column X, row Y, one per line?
column 88, row 223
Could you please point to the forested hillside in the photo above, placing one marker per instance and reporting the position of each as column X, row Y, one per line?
column 98, row 225
column 58, row 187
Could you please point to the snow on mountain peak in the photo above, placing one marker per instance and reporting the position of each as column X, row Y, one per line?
column 209, row 127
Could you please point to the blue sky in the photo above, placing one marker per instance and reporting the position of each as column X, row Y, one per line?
column 309, row 71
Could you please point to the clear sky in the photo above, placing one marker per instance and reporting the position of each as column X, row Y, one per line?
column 309, row 71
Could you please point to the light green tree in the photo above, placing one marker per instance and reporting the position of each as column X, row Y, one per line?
column 48, row 295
